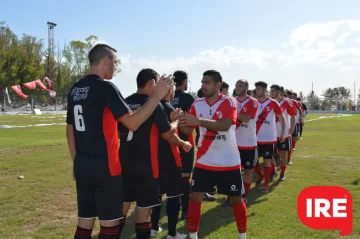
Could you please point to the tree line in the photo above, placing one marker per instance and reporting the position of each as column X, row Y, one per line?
column 25, row 58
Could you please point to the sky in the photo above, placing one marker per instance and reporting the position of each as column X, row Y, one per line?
column 291, row 43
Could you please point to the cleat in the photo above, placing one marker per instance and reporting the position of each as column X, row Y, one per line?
column 208, row 198
column 273, row 175
column 294, row 149
column 300, row 138
column 282, row 177
column 259, row 181
column 178, row 236
column 289, row 162
column 265, row 190
column 154, row 233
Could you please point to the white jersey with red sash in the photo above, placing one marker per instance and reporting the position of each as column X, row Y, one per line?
column 246, row 132
column 288, row 110
column 266, row 122
column 217, row 151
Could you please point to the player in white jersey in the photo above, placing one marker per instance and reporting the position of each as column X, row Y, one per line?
column 246, row 131
column 268, row 110
column 218, row 159
column 289, row 115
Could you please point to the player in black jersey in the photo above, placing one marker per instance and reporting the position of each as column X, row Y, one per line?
column 170, row 179
column 94, row 108
column 184, row 101
column 139, row 153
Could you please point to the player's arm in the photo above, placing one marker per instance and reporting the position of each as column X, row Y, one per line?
column 71, row 140
column 251, row 113
column 186, row 130
column 279, row 113
column 167, row 129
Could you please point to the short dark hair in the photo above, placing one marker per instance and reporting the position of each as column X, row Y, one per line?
column 144, row 76
column 298, row 99
column 281, row 88
column 200, row 94
column 249, row 92
column 234, row 93
column 289, row 92
column 276, row 87
column 293, row 93
column 244, row 81
column 224, row 86
column 285, row 95
column 261, row 84
column 215, row 75
column 180, row 77
column 98, row 52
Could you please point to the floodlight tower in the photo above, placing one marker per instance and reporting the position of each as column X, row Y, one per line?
column 50, row 56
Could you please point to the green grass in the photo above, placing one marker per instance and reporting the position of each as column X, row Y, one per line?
column 43, row 204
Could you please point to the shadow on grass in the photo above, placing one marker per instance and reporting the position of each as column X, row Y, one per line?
column 356, row 182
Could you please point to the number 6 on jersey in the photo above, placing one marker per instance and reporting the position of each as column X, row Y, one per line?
column 79, row 119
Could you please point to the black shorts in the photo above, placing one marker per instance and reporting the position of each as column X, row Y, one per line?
column 248, row 158
column 284, row 146
column 140, row 186
column 187, row 160
column 102, row 201
column 228, row 182
column 296, row 130
column 266, row 151
column 170, row 182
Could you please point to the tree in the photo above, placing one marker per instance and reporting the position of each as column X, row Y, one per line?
column 314, row 101
column 336, row 96
column 301, row 95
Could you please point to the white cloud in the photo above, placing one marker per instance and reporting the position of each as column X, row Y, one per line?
column 322, row 53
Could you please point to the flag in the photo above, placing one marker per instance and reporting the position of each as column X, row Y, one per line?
column 42, row 86
column 6, row 93
column 18, row 91
column 49, row 83
column 30, row 85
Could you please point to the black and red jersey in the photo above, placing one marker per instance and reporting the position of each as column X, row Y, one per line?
column 168, row 154
column 139, row 149
column 183, row 101
column 94, row 107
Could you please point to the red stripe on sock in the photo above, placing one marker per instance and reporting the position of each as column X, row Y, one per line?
column 194, row 214
column 240, row 215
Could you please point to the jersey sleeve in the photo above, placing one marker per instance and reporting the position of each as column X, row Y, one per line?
column 161, row 120
column 230, row 111
column 192, row 110
column 291, row 109
column 277, row 108
column 253, row 108
column 70, row 111
column 115, row 101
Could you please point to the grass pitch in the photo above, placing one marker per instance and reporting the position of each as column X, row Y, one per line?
column 43, row 204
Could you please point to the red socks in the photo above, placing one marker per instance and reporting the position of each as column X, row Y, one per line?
column 246, row 188
column 283, row 168
column 257, row 170
column 267, row 172
column 82, row 233
column 194, row 214
column 240, row 216
column 293, row 143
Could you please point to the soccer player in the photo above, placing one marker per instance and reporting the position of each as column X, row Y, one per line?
column 184, row 101
column 139, row 154
column 94, row 107
column 170, row 180
column 224, row 88
column 246, row 131
column 289, row 115
column 305, row 112
column 298, row 119
column 269, row 109
column 218, row 159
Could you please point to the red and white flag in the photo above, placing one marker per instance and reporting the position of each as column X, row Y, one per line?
column 42, row 86
column 30, row 85
column 49, row 83
column 18, row 91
